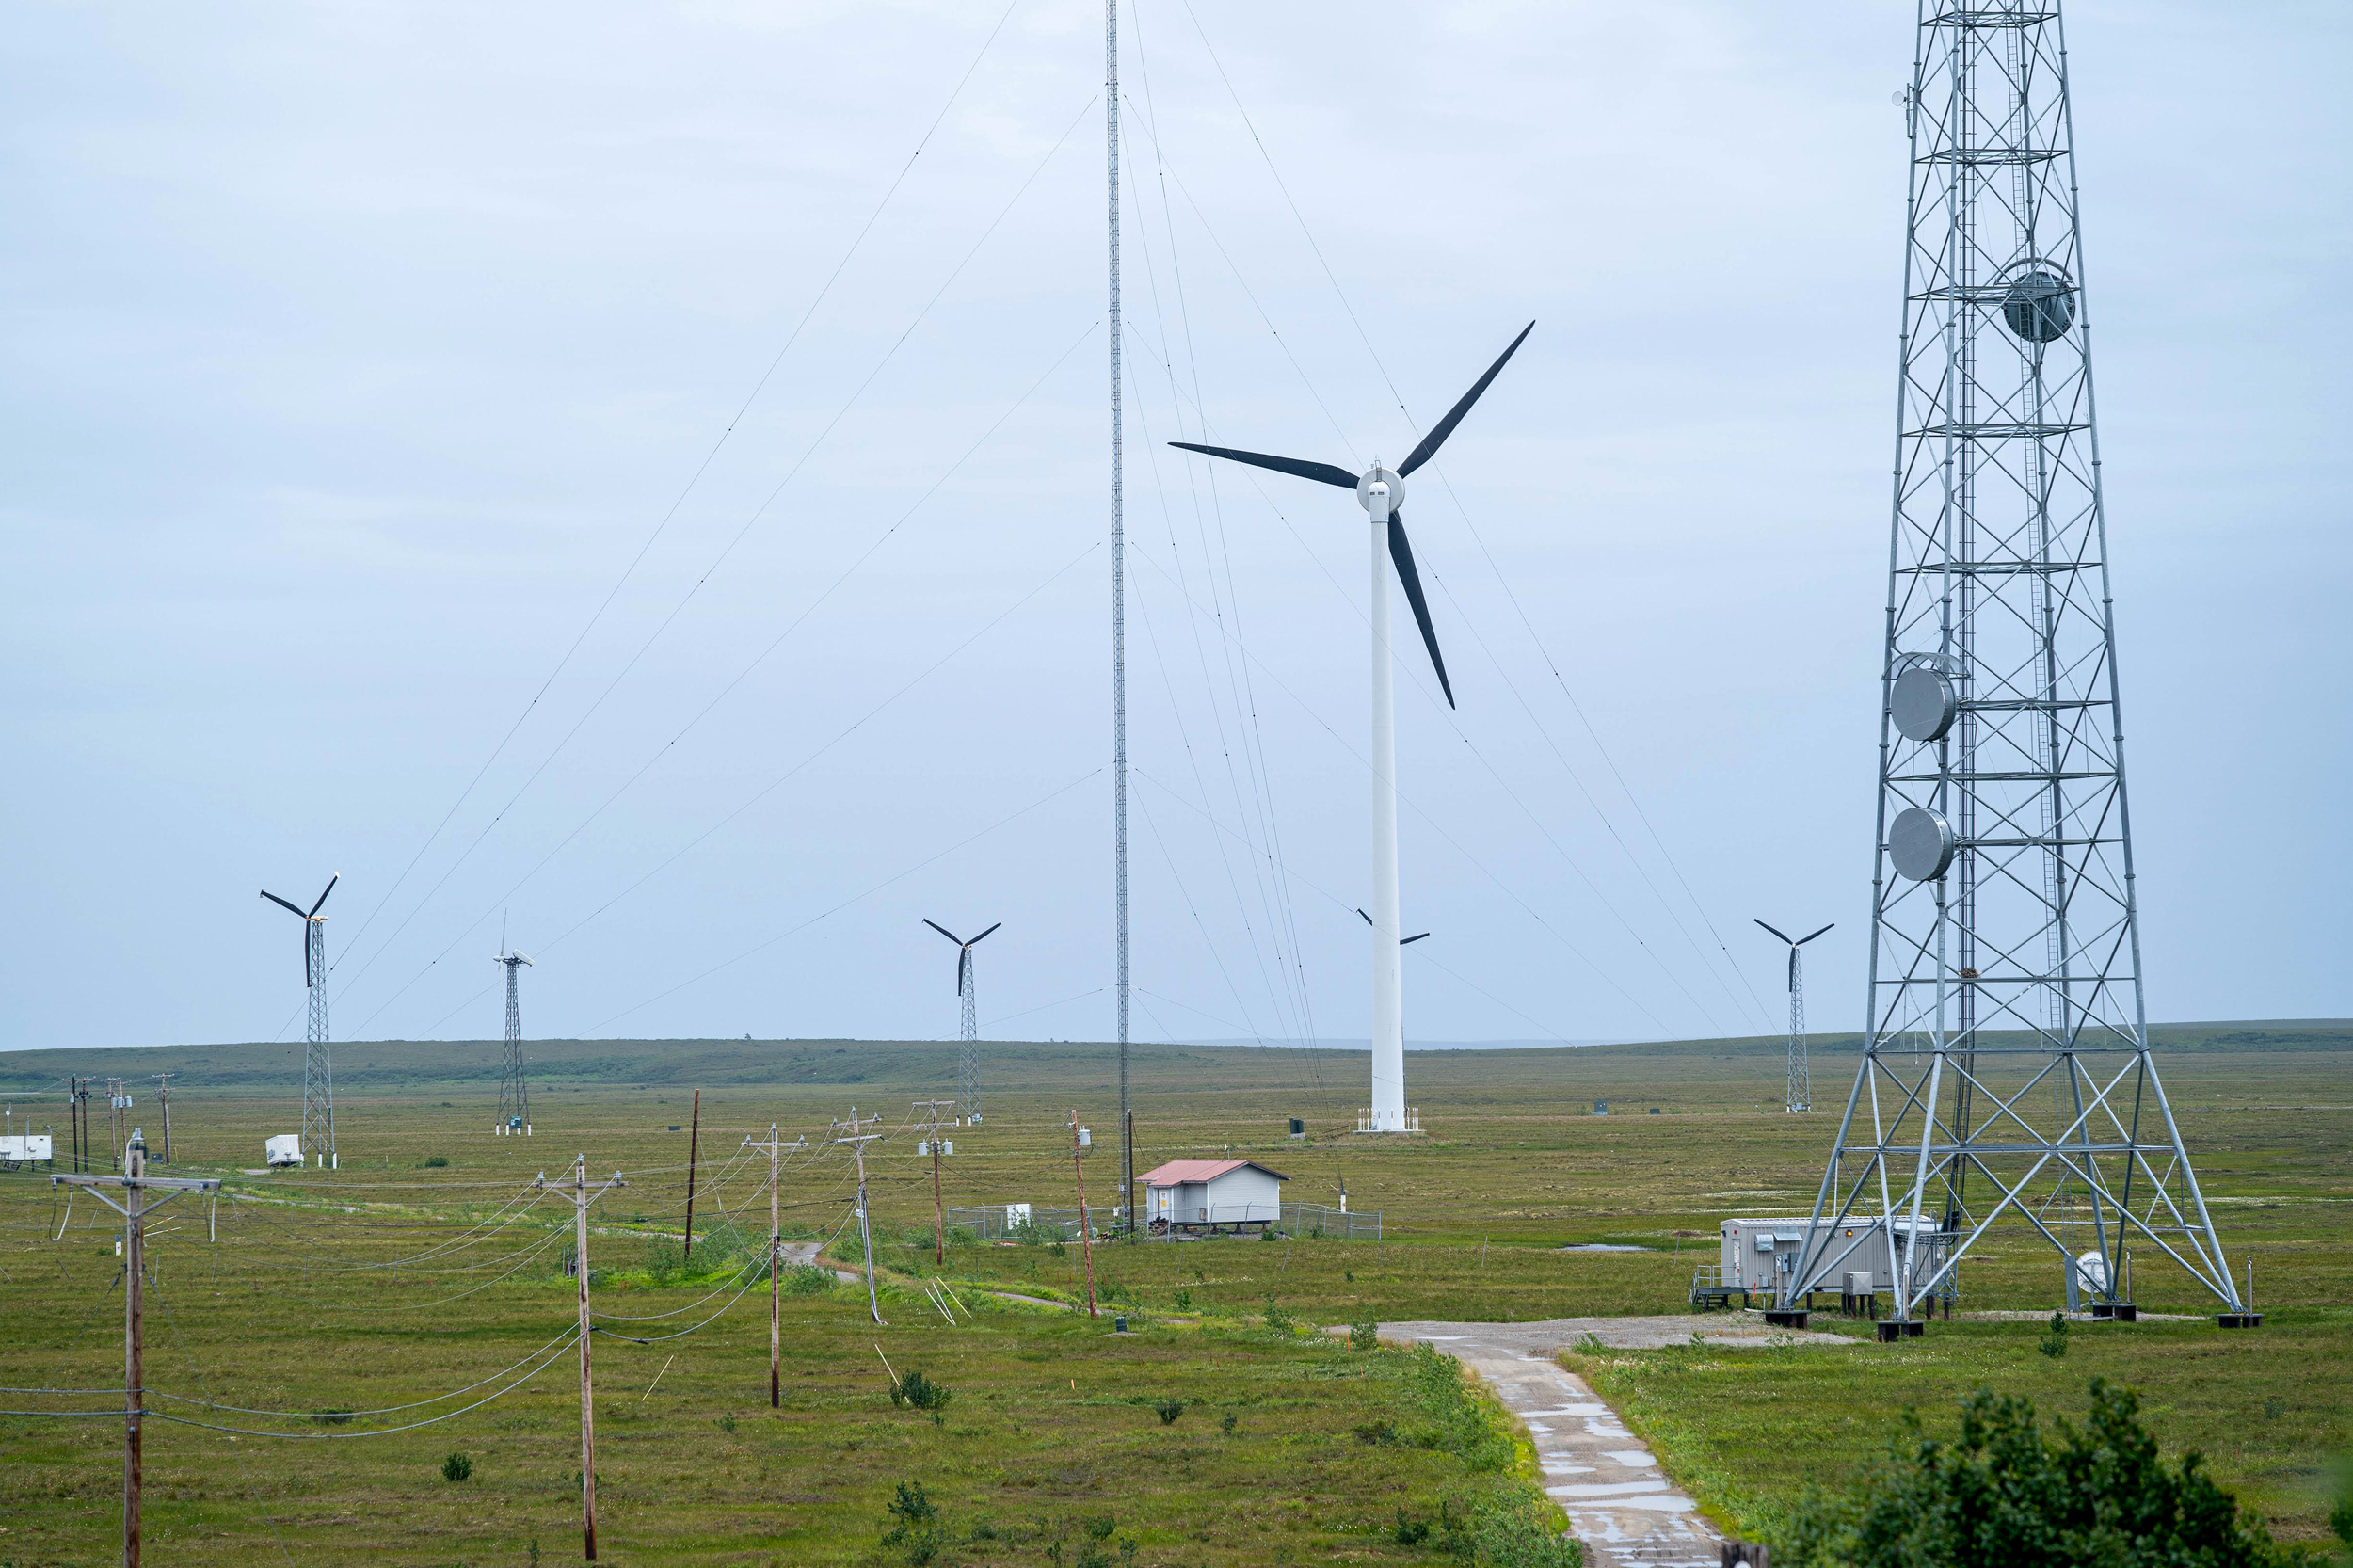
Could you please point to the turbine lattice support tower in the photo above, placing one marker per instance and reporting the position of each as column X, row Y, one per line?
column 968, row 1053
column 2005, row 1076
column 1801, row 1095
column 514, row 1088
column 319, row 1071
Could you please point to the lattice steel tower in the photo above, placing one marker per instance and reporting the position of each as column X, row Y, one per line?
column 1800, row 1092
column 969, row 1055
column 2006, row 1073
column 318, row 1072
column 514, row 1089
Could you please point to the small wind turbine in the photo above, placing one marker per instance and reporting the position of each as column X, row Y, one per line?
column 1801, row 1085
column 1381, row 491
column 969, row 1058
column 514, row 1089
column 318, row 1073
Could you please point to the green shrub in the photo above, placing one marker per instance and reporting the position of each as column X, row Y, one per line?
column 1521, row 1533
column 1364, row 1336
column 1409, row 1532
column 1226, row 1422
column 436, row 1162
column 1101, row 1527
column 2054, row 1344
column 807, row 1279
column 1467, row 1426
column 2005, row 1492
column 918, row 1530
column 1169, row 1410
column 456, row 1467
column 1184, row 1301
column 1278, row 1320
column 1380, row 1434
column 920, row 1391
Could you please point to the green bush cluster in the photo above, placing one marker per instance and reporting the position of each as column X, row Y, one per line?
column 1465, row 1425
column 2006, row 1492
column 920, row 1391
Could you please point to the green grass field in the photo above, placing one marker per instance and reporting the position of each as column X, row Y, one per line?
column 1052, row 1429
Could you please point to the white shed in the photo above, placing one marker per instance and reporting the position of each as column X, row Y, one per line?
column 1212, row 1194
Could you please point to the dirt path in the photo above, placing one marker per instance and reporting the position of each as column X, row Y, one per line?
column 1619, row 1504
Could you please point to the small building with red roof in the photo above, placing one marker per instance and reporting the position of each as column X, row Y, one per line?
column 1211, row 1194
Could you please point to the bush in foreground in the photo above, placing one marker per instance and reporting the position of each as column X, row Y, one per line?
column 2006, row 1493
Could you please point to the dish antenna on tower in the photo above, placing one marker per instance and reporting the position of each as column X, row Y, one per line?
column 1382, row 493
column 1800, row 1084
column 318, row 1075
column 969, row 1058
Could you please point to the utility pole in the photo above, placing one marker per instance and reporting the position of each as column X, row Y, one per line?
column 939, row 1207
column 776, row 1255
column 581, row 1198
column 117, row 1102
column 857, row 1140
column 163, row 1093
column 694, row 1142
column 1086, row 1231
column 133, row 1183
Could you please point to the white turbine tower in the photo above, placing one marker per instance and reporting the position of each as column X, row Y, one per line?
column 1801, row 1080
column 1381, row 491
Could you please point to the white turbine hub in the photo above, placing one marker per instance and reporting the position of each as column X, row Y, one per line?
column 1377, row 475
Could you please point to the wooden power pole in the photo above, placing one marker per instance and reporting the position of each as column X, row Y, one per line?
column 775, row 1260
column 163, row 1093
column 939, row 1207
column 858, row 1139
column 581, row 1198
column 135, row 1184
column 694, row 1142
column 1086, row 1231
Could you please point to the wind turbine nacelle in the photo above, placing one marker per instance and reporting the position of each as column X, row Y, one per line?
column 1377, row 475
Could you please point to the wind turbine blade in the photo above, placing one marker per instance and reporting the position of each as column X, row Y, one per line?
column 306, row 978
column 1409, row 940
column 1802, row 940
column 985, row 933
column 295, row 909
column 1445, row 427
column 1775, row 930
column 1402, row 554
column 1368, row 918
column 945, row 932
column 964, row 968
column 1793, row 966
column 329, row 888
column 1324, row 472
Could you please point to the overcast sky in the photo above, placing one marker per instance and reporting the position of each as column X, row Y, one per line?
column 365, row 366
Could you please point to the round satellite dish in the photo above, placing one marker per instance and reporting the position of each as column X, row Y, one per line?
column 2039, row 307
column 2094, row 1269
column 1921, row 843
column 1922, row 703
column 1387, row 477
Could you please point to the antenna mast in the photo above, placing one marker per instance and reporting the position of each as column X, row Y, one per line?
column 2002, row 811
column 1119, row 606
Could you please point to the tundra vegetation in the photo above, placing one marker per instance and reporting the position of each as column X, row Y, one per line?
column 341, row 1294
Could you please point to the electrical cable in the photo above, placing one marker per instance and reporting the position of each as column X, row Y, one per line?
column 693, row 479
